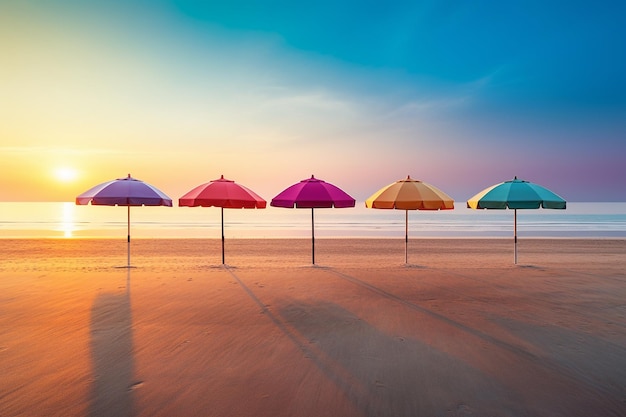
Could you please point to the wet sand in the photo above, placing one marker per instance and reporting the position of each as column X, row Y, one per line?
column 460, row 331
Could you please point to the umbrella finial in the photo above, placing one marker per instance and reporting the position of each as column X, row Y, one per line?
column 312, row 176
column 408, row 177
column 222, row 177
column 515, row 177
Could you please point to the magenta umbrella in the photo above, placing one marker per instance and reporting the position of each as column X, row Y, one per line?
column 124, row 192
column 222, row 193
column 313, row 193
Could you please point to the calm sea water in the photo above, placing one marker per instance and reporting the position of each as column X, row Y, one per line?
column 66, row 220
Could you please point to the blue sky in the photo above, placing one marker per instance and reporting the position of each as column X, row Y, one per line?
column 560, row 53
column 459, row 94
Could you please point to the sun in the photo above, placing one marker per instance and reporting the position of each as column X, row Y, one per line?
column 65, row 174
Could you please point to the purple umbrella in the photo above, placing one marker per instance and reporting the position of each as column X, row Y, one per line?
column 124, row 192
column 312, row 193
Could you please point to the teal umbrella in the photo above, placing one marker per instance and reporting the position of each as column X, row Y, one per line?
column 516, row 194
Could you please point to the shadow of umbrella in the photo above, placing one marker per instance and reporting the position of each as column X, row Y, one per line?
column 112, row 355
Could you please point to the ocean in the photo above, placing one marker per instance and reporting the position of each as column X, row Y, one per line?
column 67, row 220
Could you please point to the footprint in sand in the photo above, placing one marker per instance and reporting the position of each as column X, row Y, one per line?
column 464, row 410
column 136, row 385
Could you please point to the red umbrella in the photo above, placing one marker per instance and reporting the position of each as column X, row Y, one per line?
column 313, row 193
column 222, row 193
column 124, row 192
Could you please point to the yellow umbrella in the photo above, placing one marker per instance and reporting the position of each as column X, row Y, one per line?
column 410, row 194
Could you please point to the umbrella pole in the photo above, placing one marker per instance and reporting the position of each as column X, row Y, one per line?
column 406, row 237
column 128, row 238
column 515, row 236
column 223, row 261
column 312, row 236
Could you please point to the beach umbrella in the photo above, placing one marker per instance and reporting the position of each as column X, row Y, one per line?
column 313, row 193
column 222, row 193
column 128, row 192
column 516, row 194
column 409, row 194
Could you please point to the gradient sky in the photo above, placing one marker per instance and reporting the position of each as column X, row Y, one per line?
column 459, row 94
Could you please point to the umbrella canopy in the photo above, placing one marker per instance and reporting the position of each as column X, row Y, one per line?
column 128, row 192
column 516, row 194
column 222, row 193
column 313, row 193
column 409, row 194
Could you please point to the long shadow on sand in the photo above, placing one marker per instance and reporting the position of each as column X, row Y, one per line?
column 460, row 326
column 575, row 395
column 380, row 374
column 112, row 355
column 387, row 375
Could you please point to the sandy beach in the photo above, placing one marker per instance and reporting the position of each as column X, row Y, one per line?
column 460, row 331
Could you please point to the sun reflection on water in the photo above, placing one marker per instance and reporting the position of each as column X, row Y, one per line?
column 68, row 220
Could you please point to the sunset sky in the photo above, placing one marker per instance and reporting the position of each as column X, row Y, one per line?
column 459, row 94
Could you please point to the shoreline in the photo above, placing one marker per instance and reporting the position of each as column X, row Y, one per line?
column 154, row 252
column 304, row 238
